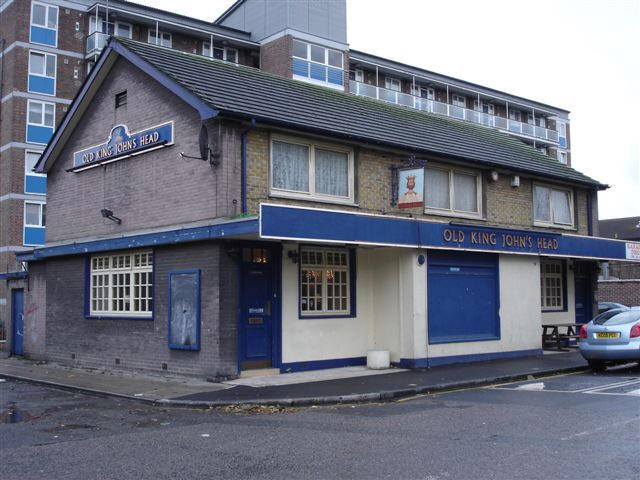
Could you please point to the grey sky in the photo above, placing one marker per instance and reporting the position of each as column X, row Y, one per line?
column 581, row 55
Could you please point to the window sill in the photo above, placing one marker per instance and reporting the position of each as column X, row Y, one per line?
column 562, row 310
column 325, row 317
column 450, row 214
column 554, row 225
column 116, row 317
column 306, row 198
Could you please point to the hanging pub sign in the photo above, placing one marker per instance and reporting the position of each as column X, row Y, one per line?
column 411, row 188
column 122, row 144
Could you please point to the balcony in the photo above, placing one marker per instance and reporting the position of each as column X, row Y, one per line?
column 454, row 111
column 96, row 42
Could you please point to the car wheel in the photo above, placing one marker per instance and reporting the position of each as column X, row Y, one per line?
column 596, row 365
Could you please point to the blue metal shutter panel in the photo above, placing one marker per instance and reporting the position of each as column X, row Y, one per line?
column 463, row 297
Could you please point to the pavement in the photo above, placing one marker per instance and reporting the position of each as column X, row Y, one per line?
column 311, row 388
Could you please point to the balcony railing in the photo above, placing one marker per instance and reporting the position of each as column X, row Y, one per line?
column 96, row 42
column 454, row 111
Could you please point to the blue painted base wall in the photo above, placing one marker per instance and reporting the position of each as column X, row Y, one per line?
column 322, row 364
column 479, row 357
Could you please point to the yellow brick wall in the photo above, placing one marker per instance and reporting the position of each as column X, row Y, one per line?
column 503, row 204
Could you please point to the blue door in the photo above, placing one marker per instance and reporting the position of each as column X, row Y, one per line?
column 17, row 320
column 583, row 293
column 462, row 297
column 257, row 310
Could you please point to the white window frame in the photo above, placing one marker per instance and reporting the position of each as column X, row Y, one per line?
column 458, row 100
column 359, row 75
column 562, row 157
column 44, row 74
column 552, row 222
column 325, row 267
column 31, row 23
column 109, row 272
column 31, row 173
column 42, row 206
column 42, row 117
column 225, row 55
column 556, row 281
column 151, row 35
column 312, row 195
column 451, row 211
column 326, row 54
column 392, row 83
column 93, row 28
column 515, row 115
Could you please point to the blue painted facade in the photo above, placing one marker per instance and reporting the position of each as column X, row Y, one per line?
column 34, row 235
column 44, row 36
column 40, row 84
column 296, row 223
column 36, row 184
column 322, row 364
column 39, row 134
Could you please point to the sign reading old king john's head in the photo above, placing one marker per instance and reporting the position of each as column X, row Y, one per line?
column 121, row 144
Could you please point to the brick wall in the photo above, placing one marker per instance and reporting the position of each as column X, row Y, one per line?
column 275, row 56
column 626, row 292
column 150, row 190
column 143, row 344
column 504, row 205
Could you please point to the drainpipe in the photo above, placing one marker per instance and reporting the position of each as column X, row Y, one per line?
column 589, row 213
column 243, row 156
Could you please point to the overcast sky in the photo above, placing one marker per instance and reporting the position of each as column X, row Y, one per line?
column 580, row 55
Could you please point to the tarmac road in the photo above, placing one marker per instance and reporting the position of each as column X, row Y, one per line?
column 580, row 426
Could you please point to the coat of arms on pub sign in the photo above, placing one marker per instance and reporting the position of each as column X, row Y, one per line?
column 411, row 188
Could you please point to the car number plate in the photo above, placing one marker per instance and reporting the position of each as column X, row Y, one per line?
column 607, row 334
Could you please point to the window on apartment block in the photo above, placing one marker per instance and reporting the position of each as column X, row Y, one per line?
column 220, row 53
column 163, row 38
column 452, row 192
column 458, row 100
column 44, row 24
column 40, row 121
column 552, row 206
column 100, row 25
column 515, row 115
column 423, row 92
column 562, row 157
column 317, row 64
column 121, row 285
column 311, row 170
column 562, row 134
column 35, row 183
column 42, row 73
column 391, row 83
column 35, row 214
column 552, row 284
column 325, row 282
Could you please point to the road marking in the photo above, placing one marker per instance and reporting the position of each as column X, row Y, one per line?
column 539, row 387
column 609, row 425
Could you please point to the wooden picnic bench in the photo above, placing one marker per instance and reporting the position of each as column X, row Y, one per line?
column 560, row 335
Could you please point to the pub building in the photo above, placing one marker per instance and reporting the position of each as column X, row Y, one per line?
column 207, row 218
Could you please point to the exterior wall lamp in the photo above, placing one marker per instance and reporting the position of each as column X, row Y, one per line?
column 106, row 213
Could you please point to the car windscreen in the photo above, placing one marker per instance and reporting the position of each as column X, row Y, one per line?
column 603, row 317
column 629, row 316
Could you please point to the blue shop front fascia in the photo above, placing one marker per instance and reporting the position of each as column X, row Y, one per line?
column 320, row 225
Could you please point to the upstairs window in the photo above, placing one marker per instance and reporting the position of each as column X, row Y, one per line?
column 34, row 183
column 311, row 171
column 40, row 121
column 44, row 24
column 458, row 100
column 515, row 115
column 42, row 73
column 119, row 29
column 220, row 53
column 163, row 38
column 562, row 157
column 391, row 83
column 317, row 64
column 34, row 223
column 452, row 192
column 552, row 206
column 562, row 134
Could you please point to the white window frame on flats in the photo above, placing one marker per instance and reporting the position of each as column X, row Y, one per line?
column 311, row 194
column 44, row 64
column 161, row 34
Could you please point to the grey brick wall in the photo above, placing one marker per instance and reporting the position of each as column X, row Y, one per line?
column 142, row 344
column 626, row 292
column 153, row 189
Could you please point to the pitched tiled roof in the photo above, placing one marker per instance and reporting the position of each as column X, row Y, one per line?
column 622, row 228
column 248, row 92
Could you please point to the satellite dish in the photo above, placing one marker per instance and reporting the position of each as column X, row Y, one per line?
column 203, row 140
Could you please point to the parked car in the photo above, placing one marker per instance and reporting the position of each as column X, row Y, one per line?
column 606, row 306
column 611, row 337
